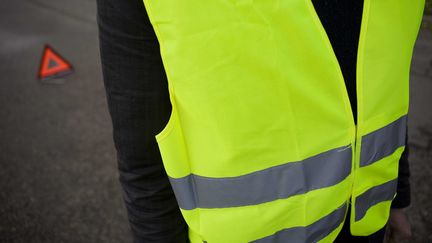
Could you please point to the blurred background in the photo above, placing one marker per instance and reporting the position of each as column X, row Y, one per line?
column 58, row 174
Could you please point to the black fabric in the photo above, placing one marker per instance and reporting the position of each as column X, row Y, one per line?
column 139, row 105
column 403, row 196
column 342, row 20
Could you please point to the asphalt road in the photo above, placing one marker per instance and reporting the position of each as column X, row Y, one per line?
column 58, row 176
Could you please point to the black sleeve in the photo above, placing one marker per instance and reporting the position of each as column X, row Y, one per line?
column 403, row 196
column 139, row 105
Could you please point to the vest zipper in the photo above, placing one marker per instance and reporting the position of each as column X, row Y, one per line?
column 359, row 93
column 354, row 158
column 342, row 79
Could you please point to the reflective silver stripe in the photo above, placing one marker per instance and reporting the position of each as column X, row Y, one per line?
column 311, row 233
column 282, row 181
column 373, row 196
column 383, row 142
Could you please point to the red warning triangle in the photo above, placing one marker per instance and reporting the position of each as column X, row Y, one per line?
column 53, row 65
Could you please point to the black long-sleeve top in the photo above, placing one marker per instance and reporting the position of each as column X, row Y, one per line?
column 139, row 105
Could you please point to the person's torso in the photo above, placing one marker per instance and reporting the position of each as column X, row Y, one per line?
column 262, row 143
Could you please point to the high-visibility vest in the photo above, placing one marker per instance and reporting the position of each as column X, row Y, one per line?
column 261, row 144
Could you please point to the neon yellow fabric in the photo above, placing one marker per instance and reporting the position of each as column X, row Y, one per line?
column 388, row 32
column 256, row 84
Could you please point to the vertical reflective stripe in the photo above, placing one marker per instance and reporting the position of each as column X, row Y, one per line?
column 373, row 196
column 383, row 142
column 311, row 233
column 278, row 182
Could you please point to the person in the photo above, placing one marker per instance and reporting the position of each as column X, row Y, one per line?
column 139, row 105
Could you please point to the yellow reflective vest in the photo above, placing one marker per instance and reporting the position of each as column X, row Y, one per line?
column 261, row 145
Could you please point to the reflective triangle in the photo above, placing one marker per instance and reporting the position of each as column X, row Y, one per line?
column 53, row 65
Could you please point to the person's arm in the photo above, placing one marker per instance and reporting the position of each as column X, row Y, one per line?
column 139, row 105
column 398, row 225
column 403, row 196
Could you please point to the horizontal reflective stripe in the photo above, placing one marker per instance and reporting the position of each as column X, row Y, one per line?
column 311, row 233
column 278, row 182
column 373, row 196
column 383, row 142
